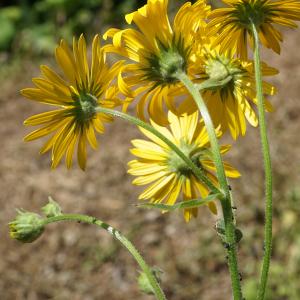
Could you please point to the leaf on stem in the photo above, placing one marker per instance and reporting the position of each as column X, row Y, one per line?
column 181, row 205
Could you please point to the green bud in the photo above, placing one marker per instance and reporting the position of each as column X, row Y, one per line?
column 220, row 228
column 144, row 283
column 52, row 209
column 26, row 227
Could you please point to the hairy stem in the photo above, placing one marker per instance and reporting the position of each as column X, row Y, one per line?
column 227, row 201
column 268, row 170
column 124, row 241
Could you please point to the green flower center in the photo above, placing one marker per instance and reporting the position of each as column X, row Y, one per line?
column 85, row 105
column 164, row 66
column 250, row 11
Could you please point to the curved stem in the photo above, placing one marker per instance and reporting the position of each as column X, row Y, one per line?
column 198, row 173
column 227, row 201
column 268, row 170
column 117, row 235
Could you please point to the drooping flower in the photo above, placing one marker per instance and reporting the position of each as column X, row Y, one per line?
column 230, row 104
column 83, row 89
column 156, row 51
column 26, row 227
column 233, row 23
column 165, row 172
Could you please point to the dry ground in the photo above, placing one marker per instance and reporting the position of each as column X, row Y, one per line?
column 74, row 261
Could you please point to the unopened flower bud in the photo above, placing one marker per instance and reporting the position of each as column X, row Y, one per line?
column 51, row 209
column 26, row 227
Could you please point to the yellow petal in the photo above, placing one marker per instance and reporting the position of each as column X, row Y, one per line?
column 91, row 137
column 61, row 143
column 155, row 187
column 81, row 152
column 142, row 180
column 149, row 154
column 70, row 151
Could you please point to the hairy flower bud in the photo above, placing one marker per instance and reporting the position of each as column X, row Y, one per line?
column 51, row 209
column 26, row 227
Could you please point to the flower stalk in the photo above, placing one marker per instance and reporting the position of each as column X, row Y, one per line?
column 226, row 202
column 267, row 168
column 124, row 241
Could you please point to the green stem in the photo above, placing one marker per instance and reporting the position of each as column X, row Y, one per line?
column 227, row 201
column 117, row 235
column 210, row 130
column 267, row 167
column 208, row 84
column 199, row 174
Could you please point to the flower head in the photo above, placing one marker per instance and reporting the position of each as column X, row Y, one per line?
column 26, row 227
column 231, row 103
column 166, row 172
column 77, row 96
column 156, row 51
column 233, row 23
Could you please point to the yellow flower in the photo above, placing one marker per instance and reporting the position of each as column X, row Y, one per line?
column 77, row 96
column 157, row 51
column 233, row 23
column 232, row 103
column 164, row 170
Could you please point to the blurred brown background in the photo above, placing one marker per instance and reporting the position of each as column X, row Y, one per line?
column 75, row 261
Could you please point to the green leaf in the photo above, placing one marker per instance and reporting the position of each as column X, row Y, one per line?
column 181, row 205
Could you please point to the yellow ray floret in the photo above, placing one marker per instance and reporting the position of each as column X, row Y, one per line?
column 167, row 176
column 233, row 23
column 82, row 88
